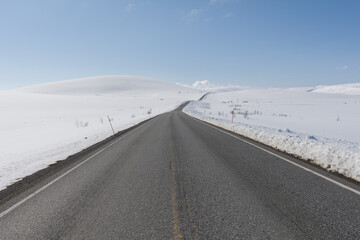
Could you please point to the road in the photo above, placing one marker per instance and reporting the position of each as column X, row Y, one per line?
column 177, row 178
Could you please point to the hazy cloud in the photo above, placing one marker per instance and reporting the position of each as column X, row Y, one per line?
column 228, row 15
column 213, row 2
column 345, row 67
column 130, row 7
column 193, row 15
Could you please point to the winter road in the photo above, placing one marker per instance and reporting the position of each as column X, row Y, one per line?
column 177, row 178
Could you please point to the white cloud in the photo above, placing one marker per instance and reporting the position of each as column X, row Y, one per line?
column 202, row 84
column 193, row 15
column 130, row 7
column 228, row 15
column 205, row 85
column 213, row 2
column 345, row 67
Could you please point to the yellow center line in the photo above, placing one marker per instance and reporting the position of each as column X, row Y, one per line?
column 175, row 205
column 194, row 226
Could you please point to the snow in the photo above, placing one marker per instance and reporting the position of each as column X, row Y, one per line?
column 319, row 127
column 350, row 88
column 104, row 84
column 44, row 123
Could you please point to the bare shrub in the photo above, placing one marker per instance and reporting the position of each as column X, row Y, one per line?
column 80, row 124
column 246, row 114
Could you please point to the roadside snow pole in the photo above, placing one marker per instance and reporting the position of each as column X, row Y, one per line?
column 232, row 114
column 111, row 125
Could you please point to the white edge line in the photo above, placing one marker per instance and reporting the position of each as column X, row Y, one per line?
column 64, row 174
column 282, row 158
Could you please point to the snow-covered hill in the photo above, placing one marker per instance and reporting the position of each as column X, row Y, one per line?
column 350, row 88
column 105, row 85
column 44, row 123
column 314, row 125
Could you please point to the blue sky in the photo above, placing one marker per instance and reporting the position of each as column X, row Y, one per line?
column 284, row 43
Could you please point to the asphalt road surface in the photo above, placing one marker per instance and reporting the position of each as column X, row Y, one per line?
column 177, row 178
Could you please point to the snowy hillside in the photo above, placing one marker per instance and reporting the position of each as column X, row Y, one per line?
column 351, row 88
column 105, row 85
column 320, row 127
column 44, row 123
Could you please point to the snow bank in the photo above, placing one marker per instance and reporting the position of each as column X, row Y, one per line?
column 42, row 124
column 321, row 128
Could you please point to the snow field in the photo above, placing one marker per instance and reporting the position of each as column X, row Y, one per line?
column 319, row 127
column 38, row 129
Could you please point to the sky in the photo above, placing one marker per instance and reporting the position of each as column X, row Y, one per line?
column 255, row 43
